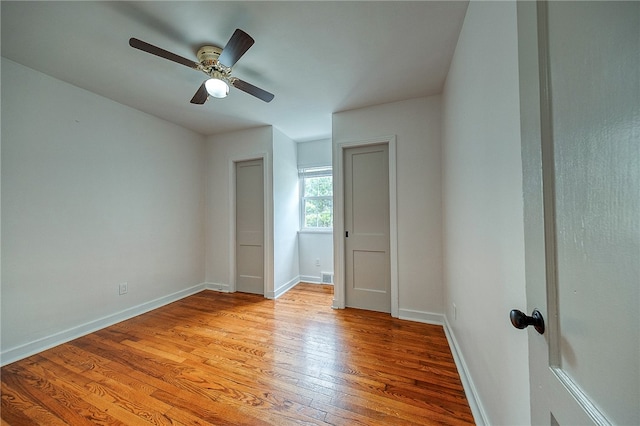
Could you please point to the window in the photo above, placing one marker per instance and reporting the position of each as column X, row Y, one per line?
column 316, row 192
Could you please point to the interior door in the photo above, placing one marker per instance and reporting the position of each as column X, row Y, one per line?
column 582, row 209
column 250, row 227
column 366, row 206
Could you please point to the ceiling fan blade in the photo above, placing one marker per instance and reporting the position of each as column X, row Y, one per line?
column 154, row 50
column 201, row 96
column 252, row 90
column 237, row 46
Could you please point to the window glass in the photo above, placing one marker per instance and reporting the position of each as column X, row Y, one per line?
column 316, row 198
column 318, row 213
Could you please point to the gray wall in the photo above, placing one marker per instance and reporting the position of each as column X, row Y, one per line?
column 416, row 125
column 93, row 194
column 315, row 246
column 286, row 206
column 483, row 211
column 221, row 152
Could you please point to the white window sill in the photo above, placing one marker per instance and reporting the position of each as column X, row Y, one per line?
column 316, row 231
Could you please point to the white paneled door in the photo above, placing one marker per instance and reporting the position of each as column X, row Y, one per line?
column 582, row 208
column 366, row 224
column 250, row 227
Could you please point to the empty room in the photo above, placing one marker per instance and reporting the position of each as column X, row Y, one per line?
column 320, row 212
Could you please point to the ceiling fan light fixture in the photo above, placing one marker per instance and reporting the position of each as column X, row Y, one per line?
column 216, row 63
column 217, row 88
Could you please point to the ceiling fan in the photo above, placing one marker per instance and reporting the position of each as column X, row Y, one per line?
column 215, row 62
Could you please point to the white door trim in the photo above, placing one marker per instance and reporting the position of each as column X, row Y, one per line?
column 338, row 219
column 268, row 222
column 554, row 394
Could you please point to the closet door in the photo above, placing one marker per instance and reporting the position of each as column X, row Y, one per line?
column 366, row 204
column 250, row 227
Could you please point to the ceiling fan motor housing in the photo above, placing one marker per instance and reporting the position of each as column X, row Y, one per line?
column 208, row 55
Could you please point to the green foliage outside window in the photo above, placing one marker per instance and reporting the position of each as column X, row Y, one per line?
column 318, row 213
column 320, row 186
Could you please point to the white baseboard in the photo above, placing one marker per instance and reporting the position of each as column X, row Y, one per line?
column 283, row 288
column 23, row 351
column 223, row 288
column 421, row 316
column 226, row 288
column 477, row 409
column 311, row 279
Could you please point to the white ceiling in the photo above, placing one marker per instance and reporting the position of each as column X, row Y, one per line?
column 316, row 57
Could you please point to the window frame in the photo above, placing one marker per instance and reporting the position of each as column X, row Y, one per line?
column 312, row 172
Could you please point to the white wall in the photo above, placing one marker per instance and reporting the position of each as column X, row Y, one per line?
column 483, row 210
column 314, row 153
column 221, row 152
column 416, row 124
column 93, row 194
column 286, row 213
column 315, row 246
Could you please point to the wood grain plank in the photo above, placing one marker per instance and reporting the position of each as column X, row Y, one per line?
column 240, row 359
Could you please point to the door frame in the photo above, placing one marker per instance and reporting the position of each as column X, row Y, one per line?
column 267, row 226
column 532, row 127
column 339, row 293
column 539, row 218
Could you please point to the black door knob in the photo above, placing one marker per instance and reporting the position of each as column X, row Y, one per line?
column 520, row 320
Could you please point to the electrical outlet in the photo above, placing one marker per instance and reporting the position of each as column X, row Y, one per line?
column 123, row 288
column 318, row 262
column 455, row 312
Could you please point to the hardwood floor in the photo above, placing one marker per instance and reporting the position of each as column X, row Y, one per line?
column 240, row 359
